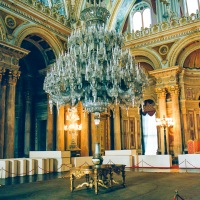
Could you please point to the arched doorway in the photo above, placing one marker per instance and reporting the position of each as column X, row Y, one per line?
column 31, row 101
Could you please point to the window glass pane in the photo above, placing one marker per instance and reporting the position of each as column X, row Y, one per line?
column 147, row 18
column 192, row 6
column 137, row 21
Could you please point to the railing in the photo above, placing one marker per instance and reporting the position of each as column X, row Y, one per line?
column 164, row 26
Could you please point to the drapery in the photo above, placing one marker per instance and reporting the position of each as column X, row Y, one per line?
column 150, row 134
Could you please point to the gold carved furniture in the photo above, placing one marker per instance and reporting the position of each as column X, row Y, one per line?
column 97, row 176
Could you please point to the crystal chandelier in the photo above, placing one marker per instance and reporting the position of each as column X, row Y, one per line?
column 95, row 70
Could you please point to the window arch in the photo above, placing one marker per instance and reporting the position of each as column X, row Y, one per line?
column 140, row 16
column 192, row 6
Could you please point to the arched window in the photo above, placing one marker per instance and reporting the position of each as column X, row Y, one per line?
column 141, row 16
column 192, row 6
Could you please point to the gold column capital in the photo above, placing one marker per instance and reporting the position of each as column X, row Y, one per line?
column 12, row 77
column 161, row 92
column 174, row 90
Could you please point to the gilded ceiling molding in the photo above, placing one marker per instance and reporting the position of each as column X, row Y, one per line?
column 2, row 31
column 147, row 54
column 50, row 38
column 114, row 13
column 180, row 45
column 29, row 13
column 186, row 53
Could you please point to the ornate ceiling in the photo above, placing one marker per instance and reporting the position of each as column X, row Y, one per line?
column 119, row 10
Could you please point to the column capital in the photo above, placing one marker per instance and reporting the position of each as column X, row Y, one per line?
column 12, row 77
column 161, row 92
column 174, row 90
column 2, row 72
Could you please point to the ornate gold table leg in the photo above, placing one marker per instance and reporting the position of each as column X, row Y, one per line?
column 87, row 176
column 71, row 182
column 96, row 180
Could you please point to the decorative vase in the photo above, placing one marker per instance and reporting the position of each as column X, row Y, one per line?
column 97, row 158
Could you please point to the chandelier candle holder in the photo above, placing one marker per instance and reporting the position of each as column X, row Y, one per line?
column 95, row 70
column 164, row 122
column 73, row 127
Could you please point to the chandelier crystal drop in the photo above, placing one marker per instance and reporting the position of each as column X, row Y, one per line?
column 95, row 70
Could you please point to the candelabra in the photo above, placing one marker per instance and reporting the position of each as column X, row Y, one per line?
column 73, row 127
column 164, row 122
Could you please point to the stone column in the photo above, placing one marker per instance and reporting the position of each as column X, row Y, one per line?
column 174, row 91
column 2, row 111
column 50, row 129
column 10, row 116
column 60, row 143
column 161, row 94
column 19, row 122
column 28, row 116
column 117, row 128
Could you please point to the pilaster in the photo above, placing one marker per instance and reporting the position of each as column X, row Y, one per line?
column 117, row 128
column 60, row 143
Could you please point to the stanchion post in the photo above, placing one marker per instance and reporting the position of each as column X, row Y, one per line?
column 186, row 165
column 142, row 165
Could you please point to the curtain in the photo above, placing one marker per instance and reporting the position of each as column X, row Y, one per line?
column 149, row 134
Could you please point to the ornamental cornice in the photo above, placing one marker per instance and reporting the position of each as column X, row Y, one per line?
column 166, row 72
column 28, row 12
column 160, row 33
column 13, row 50
column 10, row 55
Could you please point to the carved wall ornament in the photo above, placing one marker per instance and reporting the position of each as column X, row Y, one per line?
column 163, row 50
column 10, row 21
column 172, row 78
